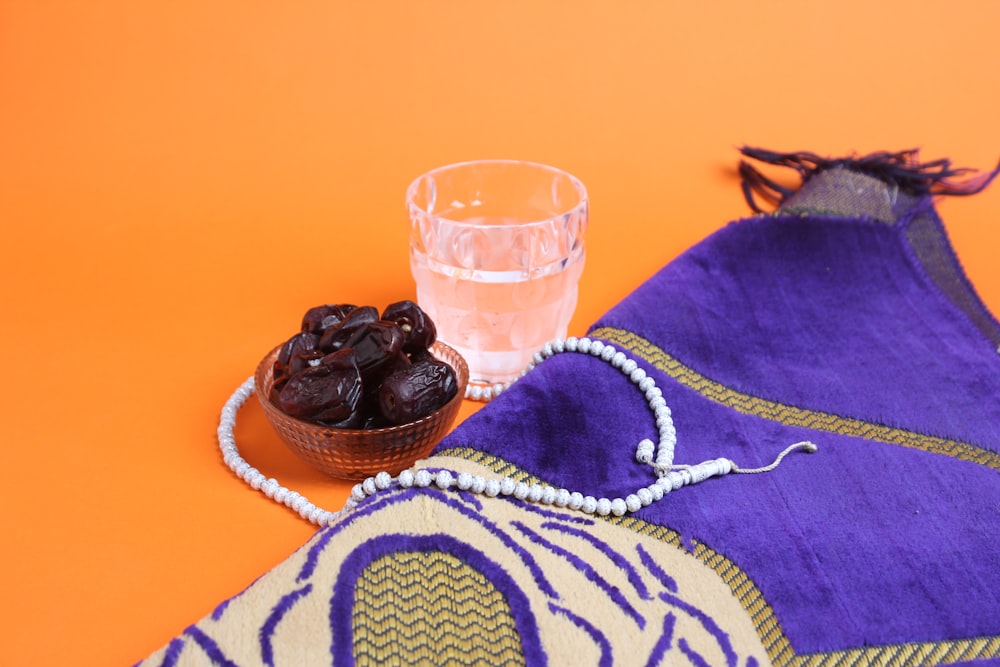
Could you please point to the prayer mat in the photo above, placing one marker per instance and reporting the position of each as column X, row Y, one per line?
column 842, row 318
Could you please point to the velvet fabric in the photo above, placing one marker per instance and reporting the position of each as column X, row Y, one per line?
column 799, row 326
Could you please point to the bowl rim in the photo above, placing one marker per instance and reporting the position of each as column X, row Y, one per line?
column 461, row 375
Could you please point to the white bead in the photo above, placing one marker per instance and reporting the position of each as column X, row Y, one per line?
column 507, row 485
column 444, row 479
column 608, row 353
column 619, row 359
column 487, row 394
column 422, row 478
column 406, row 479
column 520, row 490
column 548, row 495
column 603, row 507
column 464, row 481
column 369, row 486
column 637, row 375
column 656, row 402
column 269, row 487
column 583, row 345
column 658, row 491
column 280, row 494
column 653, row 392
column 538, row 358
column 476, row 393
column 575, row 500
column 644, row 451
column 478, row 484
column 645, row 497
column 629, row 366
column 383, row 480
column 499, row 388
column 256, row 480
column 492, row 488
column 562, row 498
column 646, row 384
column 596, row 348
column 589, row 504
column 548, row 350
column 558, row 346
column 632, row 502
column 358, row 493
column 571, row 343
column 534, row 493
column 618, row 507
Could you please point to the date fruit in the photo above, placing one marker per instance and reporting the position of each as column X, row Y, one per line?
column 418, row 329
column 296, row 345
column 329, row 392
column 417, row 391
column 320, row 318
column 337, row 335
column 349, row 367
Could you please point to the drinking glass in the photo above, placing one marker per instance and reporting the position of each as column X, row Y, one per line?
column 497, row 250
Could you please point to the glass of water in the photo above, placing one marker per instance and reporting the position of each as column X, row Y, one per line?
column 496, row 250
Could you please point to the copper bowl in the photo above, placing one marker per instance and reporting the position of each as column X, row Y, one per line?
column 355, row 454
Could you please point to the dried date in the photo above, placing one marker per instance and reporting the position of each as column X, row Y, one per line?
column 329, row 392
column 375, row 344
column 350, row 367
column 296, row 345
column 320, row 318
column 417, row 391
column 418, row 329
column 337, row 335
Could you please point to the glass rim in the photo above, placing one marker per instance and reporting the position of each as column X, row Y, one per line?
column 577, row 184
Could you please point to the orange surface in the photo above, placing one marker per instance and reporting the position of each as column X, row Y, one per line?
column 180, row 180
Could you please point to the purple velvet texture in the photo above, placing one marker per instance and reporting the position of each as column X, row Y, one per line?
column 862, row 543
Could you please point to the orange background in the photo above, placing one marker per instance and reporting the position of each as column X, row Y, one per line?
column 179, row 181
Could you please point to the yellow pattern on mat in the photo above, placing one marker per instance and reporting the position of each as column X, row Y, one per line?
column 763, row 618
column 791, row 415
column 419, row 608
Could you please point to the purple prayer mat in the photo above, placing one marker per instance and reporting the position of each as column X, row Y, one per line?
column 857, row 333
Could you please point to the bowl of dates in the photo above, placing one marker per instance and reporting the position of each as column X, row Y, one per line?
column 357, row 391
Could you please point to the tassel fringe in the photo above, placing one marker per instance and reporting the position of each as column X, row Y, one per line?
column 902, row 168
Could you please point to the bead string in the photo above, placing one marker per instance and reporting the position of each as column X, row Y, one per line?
column 669, row 477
